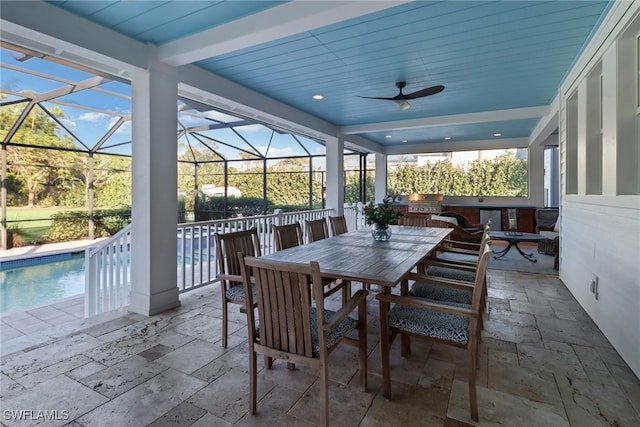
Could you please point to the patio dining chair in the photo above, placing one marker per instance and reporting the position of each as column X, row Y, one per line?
column 452, row 324
column 227, row 247
column 459, row 237
column 451, row 278
column 450, row 281
column 338, row 225
column 414, row 220
column 292, row 329
column 316, row 229
column 289, row 236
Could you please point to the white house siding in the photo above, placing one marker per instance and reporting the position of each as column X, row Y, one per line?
column 600, row 233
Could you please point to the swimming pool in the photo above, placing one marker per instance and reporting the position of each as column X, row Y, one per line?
column 29, row 282
column 40, row 280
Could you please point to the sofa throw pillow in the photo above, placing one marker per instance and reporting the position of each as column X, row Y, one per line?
column 450, row 219
column 556, row 227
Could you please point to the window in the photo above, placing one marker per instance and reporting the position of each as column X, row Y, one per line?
column 628, row 112
column 594, row 131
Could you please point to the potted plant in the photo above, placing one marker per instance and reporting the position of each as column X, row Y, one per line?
column 380, row 217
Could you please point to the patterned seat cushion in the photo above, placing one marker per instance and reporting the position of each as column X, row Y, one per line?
column 452, row 273
column 334, row 335
column 236, row 293
column 441, row 293
column 450, row 327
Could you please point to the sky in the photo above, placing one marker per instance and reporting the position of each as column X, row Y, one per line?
column 90, row 114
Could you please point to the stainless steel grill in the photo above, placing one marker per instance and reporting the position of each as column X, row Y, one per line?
column 425, row 203
column 432, row 207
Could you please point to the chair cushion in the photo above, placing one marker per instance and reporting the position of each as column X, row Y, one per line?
column 452, row 273
column 236, row 293
column 334, row 335
column 445, row 326
column 442, row 293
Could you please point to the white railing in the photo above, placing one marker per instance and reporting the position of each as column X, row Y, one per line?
column 107, row 269
column 197, row 264
column 108, row 274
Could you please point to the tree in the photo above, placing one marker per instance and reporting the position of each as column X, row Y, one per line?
column 35, row 166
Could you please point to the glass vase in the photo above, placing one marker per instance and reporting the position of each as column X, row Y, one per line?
column 381, row 234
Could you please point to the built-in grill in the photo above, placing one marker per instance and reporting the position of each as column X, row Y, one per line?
column 425, row 203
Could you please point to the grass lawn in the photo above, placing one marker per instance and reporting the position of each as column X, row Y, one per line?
column 33, row 223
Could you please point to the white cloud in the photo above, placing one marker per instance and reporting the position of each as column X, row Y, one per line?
column 252, row 128
column 71, row 125
column 124, row 129
column 279, row 152
column 93, row 117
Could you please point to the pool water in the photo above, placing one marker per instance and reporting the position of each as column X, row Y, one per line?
column 41, row 282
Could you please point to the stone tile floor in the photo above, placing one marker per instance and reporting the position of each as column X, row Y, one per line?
column 543, row 362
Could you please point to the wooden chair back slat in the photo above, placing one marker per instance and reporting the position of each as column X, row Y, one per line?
column 284, row 306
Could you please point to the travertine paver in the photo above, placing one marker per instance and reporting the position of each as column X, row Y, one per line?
column 542, row 362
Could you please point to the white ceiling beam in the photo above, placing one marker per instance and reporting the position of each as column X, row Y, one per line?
column 50, row 30
column 547, row 125
column 456, row 119
column 212, row 89
column 272, row 24
column 439, row 147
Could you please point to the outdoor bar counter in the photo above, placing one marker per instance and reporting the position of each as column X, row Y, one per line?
column 479, row 212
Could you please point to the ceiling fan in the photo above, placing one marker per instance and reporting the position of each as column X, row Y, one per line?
column 403, row 99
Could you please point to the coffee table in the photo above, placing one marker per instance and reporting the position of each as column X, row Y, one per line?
column 513, row 238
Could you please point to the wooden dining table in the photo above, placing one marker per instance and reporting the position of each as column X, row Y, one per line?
column 356, row 256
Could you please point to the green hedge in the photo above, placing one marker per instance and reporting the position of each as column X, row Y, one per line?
column 210, row 208
column 72, row 225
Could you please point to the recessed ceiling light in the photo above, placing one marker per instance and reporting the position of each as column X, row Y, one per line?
column 447, row 138
column 318, row 97
column 497, row 134
column 387, row 136
column 404, row 140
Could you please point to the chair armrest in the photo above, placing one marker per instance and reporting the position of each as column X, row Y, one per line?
column 230, row 277
column 445, row 262
column 452, row 283
column 459, row 250
column 421, row 303
column 346, row 309
column 460, row 244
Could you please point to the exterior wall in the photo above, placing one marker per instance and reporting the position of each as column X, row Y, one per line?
column 600, row 230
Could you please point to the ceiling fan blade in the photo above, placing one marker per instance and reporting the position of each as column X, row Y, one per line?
column 424, row 92
column 395, row 98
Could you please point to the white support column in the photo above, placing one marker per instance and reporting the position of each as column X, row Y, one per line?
column 154, row 183
column 381, row 177
column 335, row 175
column 536, row 174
